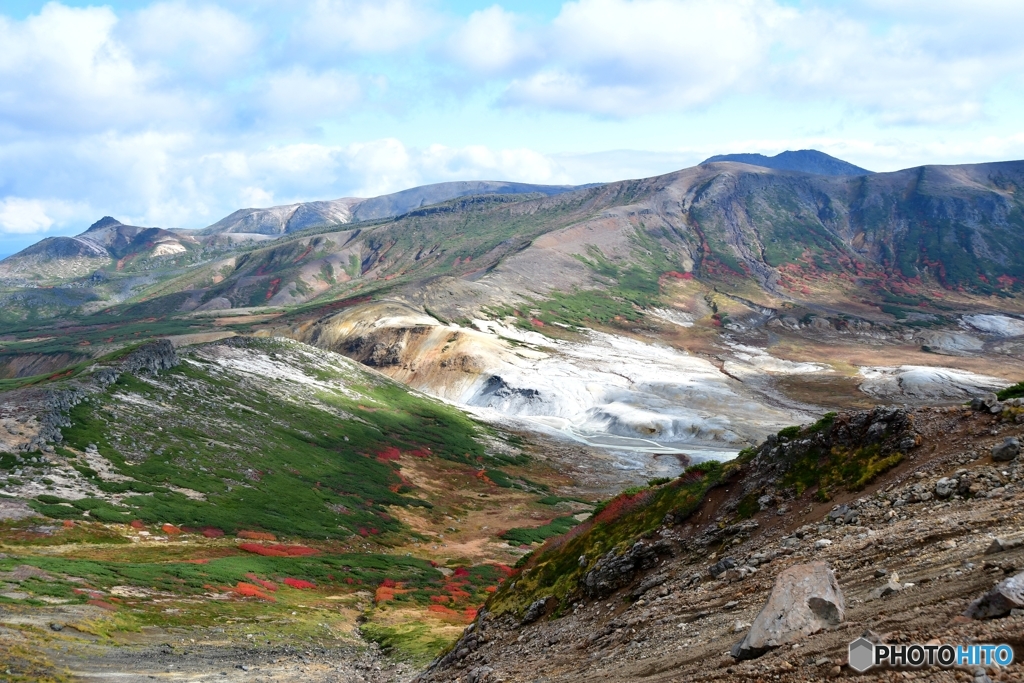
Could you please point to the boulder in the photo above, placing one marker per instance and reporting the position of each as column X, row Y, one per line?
column 999, row 545
column 806, row 598
column 1007, row 450
column 1004, row 597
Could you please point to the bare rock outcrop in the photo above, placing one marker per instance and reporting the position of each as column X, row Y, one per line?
column 612, row 571
column 806, row 599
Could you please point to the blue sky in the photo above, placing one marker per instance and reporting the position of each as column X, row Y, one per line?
column 175, row 113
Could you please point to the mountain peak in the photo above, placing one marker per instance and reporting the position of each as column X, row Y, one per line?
column 804, row 160
column 104, row 222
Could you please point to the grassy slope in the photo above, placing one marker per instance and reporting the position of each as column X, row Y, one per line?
column 280, row 440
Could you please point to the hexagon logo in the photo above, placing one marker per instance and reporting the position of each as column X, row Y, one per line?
column 862, row 655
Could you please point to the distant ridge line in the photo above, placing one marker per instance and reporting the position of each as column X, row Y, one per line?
column 803, row 161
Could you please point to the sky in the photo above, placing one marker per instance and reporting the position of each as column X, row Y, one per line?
column 176, row 113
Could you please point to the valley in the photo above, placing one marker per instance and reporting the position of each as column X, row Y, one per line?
column 316, row 440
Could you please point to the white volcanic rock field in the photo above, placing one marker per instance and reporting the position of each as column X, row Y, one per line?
column 604, row 389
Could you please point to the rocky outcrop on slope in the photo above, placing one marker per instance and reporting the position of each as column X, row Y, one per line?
column 34, row 416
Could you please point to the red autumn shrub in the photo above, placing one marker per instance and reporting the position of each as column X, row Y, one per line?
column 300, row 584
column 170, row 529
column 678, row 275
column 298, row 550
column 211, row 532
column 247, row 590
column 265, row 550
column 389, row 453
column 138, row 524
column 256, row 535
column 458, row 595
column 383, row 594
column 68, row 523
column 461, row 571
column 439, row 599
column 389, row 583
column 491, row 589
column 469, row 614
column 278, row 550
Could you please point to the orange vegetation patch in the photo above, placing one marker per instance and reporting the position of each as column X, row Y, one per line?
column 278, row 550
column 256, row 535
column 247, row 590
column 388, row 589
column 170, row 529
column 301, row 584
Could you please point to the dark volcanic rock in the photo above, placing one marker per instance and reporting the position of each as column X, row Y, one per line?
column 613, row 572
column 1007, row 450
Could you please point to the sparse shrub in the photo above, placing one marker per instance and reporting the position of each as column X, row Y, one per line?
column 789, row 432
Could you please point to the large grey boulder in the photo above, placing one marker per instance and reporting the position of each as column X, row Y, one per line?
column 1005, row 596
column 1007, row 450
column 806, row 599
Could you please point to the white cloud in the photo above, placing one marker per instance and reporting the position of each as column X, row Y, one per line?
column 627, row 57
column 896, row 61
column 27, row 216
column 62, row 69
column 299, row 95
column 202, row 39
column 917, row 72
column 366, row 26
column 492, row 40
